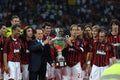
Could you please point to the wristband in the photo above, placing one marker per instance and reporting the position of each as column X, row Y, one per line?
column 82, row 49
column 88, row 62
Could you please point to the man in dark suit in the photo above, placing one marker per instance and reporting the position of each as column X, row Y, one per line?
column 39, row 56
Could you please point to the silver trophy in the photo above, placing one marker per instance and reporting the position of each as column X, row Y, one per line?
column 59, row 44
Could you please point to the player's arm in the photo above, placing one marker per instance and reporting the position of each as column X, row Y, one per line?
column 113, row 52
column 5, row 52
column 5, row 63
column 89, row 57
column 89, row 54
column 68, row 41
column 114, row 59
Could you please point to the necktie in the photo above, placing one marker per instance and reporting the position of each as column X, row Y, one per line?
column 41, row 42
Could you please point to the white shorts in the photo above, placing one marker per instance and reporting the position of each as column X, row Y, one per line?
column 73, row 73
column 50, row 72
column 96, row 72
column 59, row 72
column 15, row 72
column 1, row 75
column 110, row 61
column 25, row 73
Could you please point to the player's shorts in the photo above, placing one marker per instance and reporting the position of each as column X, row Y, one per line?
column 15, row 72
column 1, row 74
column 25, row 73
column 50, row 72
column 110, row 61
column 73, row 73
column 96, row 72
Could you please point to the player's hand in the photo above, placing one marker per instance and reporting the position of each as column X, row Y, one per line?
column 88, row 68
column 53, row 64
column 84, row 66
column 46, row 41
column 21, row 68
column 68, row 41
column 6, row 68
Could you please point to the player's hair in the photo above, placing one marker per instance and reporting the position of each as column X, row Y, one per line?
column 115, row 21
column 81, row 26
column 103, row 31
column 15, row 26
column 96, row 27
column 46, row 24
column 88, row 26
column 14, row 16
column 1, row 25
column 73, row 25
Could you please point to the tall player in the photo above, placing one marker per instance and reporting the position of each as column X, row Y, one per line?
column 114, row 38
column 2, row 39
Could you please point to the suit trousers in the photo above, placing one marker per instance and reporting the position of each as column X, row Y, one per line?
column 38, row 75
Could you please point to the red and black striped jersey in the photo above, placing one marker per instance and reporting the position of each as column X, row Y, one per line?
column 83, row 43
column 12, row 48
column 91, row 44
column 115, row 41
column 2, row 39
column 101, row 53
column 53, row 51
column 73, row 54
column 25, row 52
column 51, row 36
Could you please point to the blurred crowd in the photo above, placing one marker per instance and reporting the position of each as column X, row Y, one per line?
column 63, row 12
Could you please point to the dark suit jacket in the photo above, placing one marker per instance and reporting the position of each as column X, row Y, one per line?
column 38, row 56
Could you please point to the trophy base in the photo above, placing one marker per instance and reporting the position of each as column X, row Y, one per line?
column 60, row 64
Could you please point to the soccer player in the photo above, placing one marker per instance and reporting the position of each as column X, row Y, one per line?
column 12, row 55
column 114, row 39
column 47, row 29
column 92, row 41
column 101, row 51
column 15, row 20
column 84, row 43
column 47, row 34
column 26, row 37
column 88, row 31
column 72, row 52
column 2, row 39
